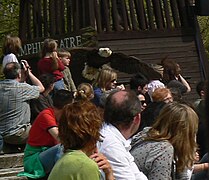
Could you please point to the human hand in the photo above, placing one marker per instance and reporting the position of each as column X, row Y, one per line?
column 54, row 55
column 24, row 65
column 25, row 70
column 121, row 87
column 103, row 164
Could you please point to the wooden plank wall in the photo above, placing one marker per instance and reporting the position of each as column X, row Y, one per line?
column 149, row 30
column 45, row 18
column 151, row 50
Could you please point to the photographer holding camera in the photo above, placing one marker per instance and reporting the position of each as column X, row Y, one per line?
column 15, row 94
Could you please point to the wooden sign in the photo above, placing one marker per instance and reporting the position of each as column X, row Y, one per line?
column 86, row 37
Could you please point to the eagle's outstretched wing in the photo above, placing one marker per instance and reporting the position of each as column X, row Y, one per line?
column 122, row 63
column 133, row 65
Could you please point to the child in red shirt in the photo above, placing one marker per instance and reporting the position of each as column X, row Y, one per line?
column 51, row 64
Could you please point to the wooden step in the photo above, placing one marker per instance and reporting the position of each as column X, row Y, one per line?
column 11, row 165
column 11, row 173
column 11, row 160
column 13, row 178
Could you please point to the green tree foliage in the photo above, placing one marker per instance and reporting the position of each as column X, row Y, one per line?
column 9, row 18
column 204, row 24
column 9, row 21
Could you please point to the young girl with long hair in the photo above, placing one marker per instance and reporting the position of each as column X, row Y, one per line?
column 50, row 63
column 11, row 47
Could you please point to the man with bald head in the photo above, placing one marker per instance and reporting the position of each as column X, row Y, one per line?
column 122, row 119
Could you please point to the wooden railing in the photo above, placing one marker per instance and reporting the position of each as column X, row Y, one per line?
column 116, row 15
column 45, row 18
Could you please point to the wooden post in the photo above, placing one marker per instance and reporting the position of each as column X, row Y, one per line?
column 124, row 15
column 69, row 15
column 167, row 14
column 97, row 15
column 132, row 15
column 22, row 20
column 175, row 13
column 183, row 13
column 45, row 18
column 52, row 17
column 158, row 14
column 150, row 15
column 115, row 16
column 139, row 4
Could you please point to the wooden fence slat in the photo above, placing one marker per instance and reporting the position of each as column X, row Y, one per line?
column 132, row 15
column 174, row 9
column 115, row 16
column 139, row 4
column 84, row 18
column 51, row 17
column 97, row 14
column 91, row 13
column 28, row 17
column 88, row 14
column 57, row 17
column 76, row 15
column 124, row 14
column 167, row 14
column 23, row 20
column 69, row 15
column 62, row 17
column 45, row 18
column 183, row 13
column 40, row 25
column 158, row 14
column 37, row 23
column 150, row 14
column 105, row 9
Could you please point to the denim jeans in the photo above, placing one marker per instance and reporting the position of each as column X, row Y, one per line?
column 20, row 137
column 49, row 157
column 59, row 85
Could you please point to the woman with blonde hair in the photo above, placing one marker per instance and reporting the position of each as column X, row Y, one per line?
column 167, row 149
column 79, row 131
column 104, row 84
column 51, row 64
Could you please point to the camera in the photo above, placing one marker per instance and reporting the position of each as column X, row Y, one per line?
column 22, row 65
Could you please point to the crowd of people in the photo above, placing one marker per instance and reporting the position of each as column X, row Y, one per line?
column 100, row 130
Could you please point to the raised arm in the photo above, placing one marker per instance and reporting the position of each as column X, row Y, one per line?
column 184, row 82
column 35, row 81
column 27, row 72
